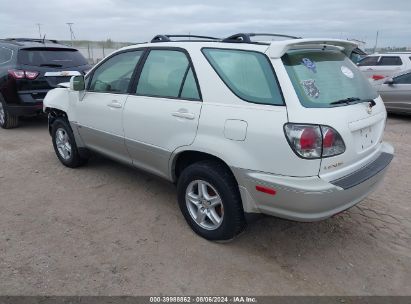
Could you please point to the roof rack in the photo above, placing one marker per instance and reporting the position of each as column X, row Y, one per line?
column 166, row 38
column 31, row 40
column 246, row 37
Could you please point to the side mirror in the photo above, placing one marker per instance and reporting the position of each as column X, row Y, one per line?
column 389, row 81
column 77, row 83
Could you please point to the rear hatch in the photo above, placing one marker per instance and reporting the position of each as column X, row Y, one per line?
column 51, row 65
column 332, row 92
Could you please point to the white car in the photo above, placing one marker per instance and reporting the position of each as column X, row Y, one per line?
column 288, row 128
column 379, row 66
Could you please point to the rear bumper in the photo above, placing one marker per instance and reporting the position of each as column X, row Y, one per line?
column 27, row 103
column 310, row 198
column 23, row 110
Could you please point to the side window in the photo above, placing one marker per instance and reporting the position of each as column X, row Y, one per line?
column 163, row 75
column 403, row 79
column 368, row 61
column 189, row 89
column 390, row 60
column 248, row 74
column 114, row 75
column 5, row 55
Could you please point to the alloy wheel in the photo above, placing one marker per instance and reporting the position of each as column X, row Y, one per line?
column 2, row 114
column 204, row 204
column 62, row 143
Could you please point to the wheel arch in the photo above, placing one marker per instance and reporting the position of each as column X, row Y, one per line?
column 185, row 158
column 53, row 114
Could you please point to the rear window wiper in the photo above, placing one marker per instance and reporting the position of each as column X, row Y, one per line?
column 348, row 100
column 353, row 100
column 51, row 65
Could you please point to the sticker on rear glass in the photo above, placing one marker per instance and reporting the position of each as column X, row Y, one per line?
column 309, row 64
column 310, row 88
column 347, row 72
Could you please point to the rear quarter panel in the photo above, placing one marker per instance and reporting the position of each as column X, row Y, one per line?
column 264, row 147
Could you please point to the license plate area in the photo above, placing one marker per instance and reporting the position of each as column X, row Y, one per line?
column 366, row 138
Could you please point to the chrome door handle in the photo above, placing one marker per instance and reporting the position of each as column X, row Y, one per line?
column 115, row 104
column 184, row 115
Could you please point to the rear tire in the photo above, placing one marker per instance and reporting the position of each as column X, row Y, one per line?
column 211, row 220
column 65, row 145
column 7, row 120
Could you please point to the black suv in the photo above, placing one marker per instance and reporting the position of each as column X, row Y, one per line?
column 29, row 68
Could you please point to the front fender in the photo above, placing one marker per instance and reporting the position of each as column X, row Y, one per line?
column 62, row 99
column 57, row 99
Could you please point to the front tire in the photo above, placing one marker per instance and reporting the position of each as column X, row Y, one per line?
column 7, row 120
column 210, row 201
column 65, row 145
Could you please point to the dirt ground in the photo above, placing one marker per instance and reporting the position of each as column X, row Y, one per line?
column 107, row 229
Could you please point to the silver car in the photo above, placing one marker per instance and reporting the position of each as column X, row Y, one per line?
column 396, row 92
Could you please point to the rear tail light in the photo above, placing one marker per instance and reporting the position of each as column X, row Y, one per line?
column 19, row 74
column 333, row 144
column 314, row 141
column 31, row 75
column 378, row 77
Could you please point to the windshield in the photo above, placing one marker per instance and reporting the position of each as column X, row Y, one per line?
column 323, row 77
column 59, row 58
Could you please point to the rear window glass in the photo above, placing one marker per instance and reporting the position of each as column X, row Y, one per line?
column 368, row 61
column 249, row 75
column 5, row 55
column 322, row 77
column 390, row 60
column 59, row 58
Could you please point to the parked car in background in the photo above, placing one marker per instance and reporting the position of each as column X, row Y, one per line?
column 396, row 92
column 29, row 68
column 379, row 66
column 287, row 128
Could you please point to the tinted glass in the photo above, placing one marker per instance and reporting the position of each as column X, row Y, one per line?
column 190, row 90
column 403, row 79
column 390, row 60
column 63, row 58
column 248, row 74
column 322, row 77
column 114, row 75
column 5, row 55
column 368, row 61
column 163, row 73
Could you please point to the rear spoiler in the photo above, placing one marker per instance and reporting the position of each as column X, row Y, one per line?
column 278, row 48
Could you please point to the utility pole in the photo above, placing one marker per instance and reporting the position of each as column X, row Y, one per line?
column 376, row 42
column 72, row 37
column 39, row 27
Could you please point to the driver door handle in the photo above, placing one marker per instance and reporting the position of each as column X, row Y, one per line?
column 115, row 104
column 185, row 115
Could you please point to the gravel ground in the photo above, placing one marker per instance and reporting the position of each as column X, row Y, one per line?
column 107, row 229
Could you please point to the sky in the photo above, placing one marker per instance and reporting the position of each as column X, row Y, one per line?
column 139, row 21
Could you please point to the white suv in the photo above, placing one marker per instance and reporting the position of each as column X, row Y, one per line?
column 288, row 128
column 379, row 66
